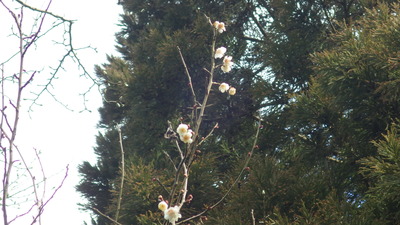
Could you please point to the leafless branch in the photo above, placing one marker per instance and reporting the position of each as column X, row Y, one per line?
column 246, row 163
column 163, row 186
column 52, row 196
column 104, row 215
column 252, row 217
column 170, row 159
column 121, row 188
column 189, row 77
column 11, row 110
column 71, row 52
column 208, row 135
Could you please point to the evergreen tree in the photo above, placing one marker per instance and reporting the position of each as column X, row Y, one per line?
column 148, row 86
column 383, row 171
column 330, row 127
column 321, row 110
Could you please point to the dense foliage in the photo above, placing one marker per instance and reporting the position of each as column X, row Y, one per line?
column 322, row 75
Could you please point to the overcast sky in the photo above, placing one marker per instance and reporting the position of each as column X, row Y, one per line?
column 61, row 132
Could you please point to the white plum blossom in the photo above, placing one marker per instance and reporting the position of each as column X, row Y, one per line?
column 227, row 64
column 220, row 26
column 172, row 214
column 232, row 91
column 187, row 137
column 182, row 129
column 226, row 69
column 223, row 87
column 162, row 206
column 219, row 52
column 185, row 134
column 228, row 60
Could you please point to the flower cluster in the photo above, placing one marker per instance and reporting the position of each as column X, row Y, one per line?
column 185, row 134
column 227, row 63
column 220, row 26
column 171, row 214
column 224, row 87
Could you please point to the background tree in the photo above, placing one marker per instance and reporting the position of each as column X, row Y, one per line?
column 323, row 73
column 148, row 86
column 332, row 124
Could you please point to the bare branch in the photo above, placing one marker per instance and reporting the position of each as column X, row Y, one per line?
column 10, row 120
column 71, row 52
column 189, row 77
column 170, row 159
column 163, row 186
column 121, row 188
column 234, row 183
column 104, row 215
column 208, row 135
column 52, row 196
column 252, row 217
column 260, row 27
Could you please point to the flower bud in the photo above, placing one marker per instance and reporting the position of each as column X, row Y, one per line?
column 232, row 91
column 189, row 198
column 220, row 26
column 162, row 206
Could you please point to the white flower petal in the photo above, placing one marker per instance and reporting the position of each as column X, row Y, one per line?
column 182, row 128
column 223, row 87
column 172, row 214
column 226, row 69
column 219, row 52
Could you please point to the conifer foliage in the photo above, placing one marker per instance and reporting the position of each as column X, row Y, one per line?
column 322, row 76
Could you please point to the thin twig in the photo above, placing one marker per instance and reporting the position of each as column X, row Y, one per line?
column 33, row 180
column 121, row 188
column 260, row 27
column 189, row 77
column 209, row 86
column 104, row 215
column 208, row 135
column 170, row 159
column 162, row 185
column 185, row 184
column 234, row 183
column 52, row 196
column 41, row 11
column 327, row 16
column 177, row 173
column 40, row 202
column 252, row 217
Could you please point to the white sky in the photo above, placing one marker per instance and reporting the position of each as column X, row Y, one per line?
column 64, row 137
